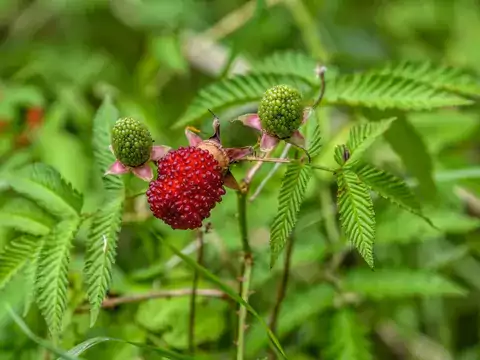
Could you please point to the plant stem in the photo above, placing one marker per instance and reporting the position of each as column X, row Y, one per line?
column 270, row 174
column 193, row 297
column 246, row 270
column 325, row 168
column 128, row 299
column 286, row 161
column 282, row 289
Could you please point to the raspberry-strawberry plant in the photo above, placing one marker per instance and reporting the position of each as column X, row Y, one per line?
column 282, row 185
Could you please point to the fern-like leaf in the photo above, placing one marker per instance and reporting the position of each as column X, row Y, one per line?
column 30, row 276
column 290, row 63
column 435, row 75
column 399, row 283
column 106, row 223
column 43, row 184
column 103, row 122
column 357, row 216
column 315, row 142
column 101, row 252
column 238, row 90
column 390, row 187
column 52, row 276
column 15, row 255
column 25, row 216
column 348, row 337
column 388, row 92
column 362, row 136
column 292, row 192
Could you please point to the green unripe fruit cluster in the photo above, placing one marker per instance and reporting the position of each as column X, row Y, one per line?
column 131, row 142
column 281, row 111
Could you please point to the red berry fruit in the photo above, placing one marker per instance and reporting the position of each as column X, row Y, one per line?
column 189, row 184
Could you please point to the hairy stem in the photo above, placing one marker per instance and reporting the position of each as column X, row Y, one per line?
column 282, row 289
column 246, row 270
column 193, row 297
column 285, row 161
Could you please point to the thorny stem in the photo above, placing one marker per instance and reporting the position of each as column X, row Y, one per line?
column 193, row 297
column 246, row 269
column 282, row 289
column 128, row 299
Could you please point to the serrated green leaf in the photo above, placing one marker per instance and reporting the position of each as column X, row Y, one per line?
column 315, row 142
column 290, row 198
column 101, row 251
column 103, row 122
column 398, row 283
column 388, row 92
column 340, row 154
column 43, row 184
column 288, row 63
column 25, row 216
column 43, row 343
column 52, row 277
column 87, row 344
column 362, row 136
column 15, row 255
column 228, row 291
column 30, row 276
column 409, row 145
column 391, row 188
column 357, row 216
column 435, row 75
column 348, row 337
column 238, row 90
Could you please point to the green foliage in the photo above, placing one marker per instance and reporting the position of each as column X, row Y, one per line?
column 15, row 255
column 399, row 283
column 362, row 137
column 315, row 142
column 390, row 187
column 348, row 337
column 43, row 184
column 101, row 252
column 356, row 213
column 239, row 90
column 411, row 148
column 290, row 198
column 73, row 241
column 442, row 77
column 106, row 222
column 288, row 63
column 52, row 278
column 388, row 92
column 170, row 317
column 23, row 215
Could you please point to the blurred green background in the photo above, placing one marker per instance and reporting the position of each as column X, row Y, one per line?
column 58, row 58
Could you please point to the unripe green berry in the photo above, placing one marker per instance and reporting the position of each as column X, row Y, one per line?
column 131, row 142
column 281, row 111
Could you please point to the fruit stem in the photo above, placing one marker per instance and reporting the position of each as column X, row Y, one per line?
column 193, row 297
column 246, row 270
column 287, row 161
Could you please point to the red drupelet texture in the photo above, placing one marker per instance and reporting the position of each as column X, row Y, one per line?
column 189, row 184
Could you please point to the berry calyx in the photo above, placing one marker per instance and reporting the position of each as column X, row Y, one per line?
column 189, row 185
column 131, row 142
column 281, row 111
